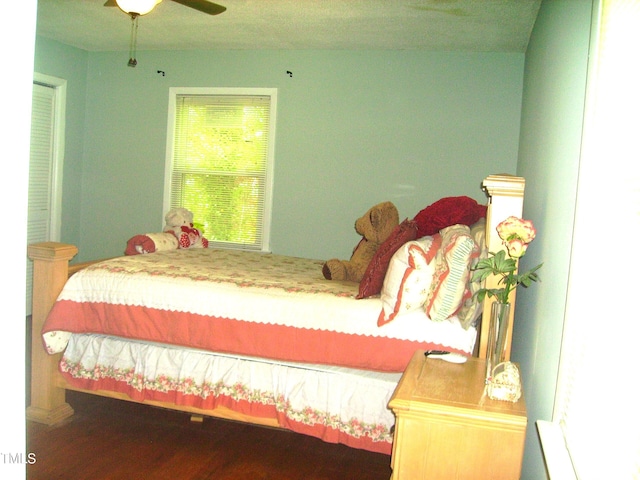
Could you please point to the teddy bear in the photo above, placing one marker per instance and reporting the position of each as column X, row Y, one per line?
column 179, row 221
column 375, row 226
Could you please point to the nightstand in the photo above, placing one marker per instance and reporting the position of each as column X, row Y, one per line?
column 447, row 428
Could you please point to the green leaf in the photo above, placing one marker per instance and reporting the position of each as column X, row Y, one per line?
column 485, row 263
column 481, row 275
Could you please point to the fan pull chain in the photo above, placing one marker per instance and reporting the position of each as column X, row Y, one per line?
column 134, row 40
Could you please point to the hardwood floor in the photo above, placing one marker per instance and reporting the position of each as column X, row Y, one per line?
column 111, row 439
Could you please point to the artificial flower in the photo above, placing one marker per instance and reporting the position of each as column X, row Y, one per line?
column 516, row 234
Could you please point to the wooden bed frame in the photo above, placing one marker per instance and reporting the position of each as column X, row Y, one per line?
column 51, row 270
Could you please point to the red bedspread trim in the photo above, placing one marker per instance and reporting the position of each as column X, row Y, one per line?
column 239, row 337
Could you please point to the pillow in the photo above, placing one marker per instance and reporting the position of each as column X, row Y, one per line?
column 371, row 283
column 151, row 242
column 446, row 212
column 478, row 232
column 408, row 279
column 451, row 273
column 471, row 309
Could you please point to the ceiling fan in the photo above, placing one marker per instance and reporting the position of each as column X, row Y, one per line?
column 136, row 8
column 142, row 7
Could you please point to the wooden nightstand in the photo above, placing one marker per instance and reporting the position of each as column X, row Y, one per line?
column 446, row 428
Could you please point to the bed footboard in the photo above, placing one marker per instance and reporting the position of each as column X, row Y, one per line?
column 48, row 405
column 50, row 273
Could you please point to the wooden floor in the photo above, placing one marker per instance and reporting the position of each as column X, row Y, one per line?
column 111, row 439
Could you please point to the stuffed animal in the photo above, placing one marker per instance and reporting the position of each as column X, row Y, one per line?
column 374, row 226
column 179, row 221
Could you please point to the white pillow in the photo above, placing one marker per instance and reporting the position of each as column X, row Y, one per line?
column 407, row 281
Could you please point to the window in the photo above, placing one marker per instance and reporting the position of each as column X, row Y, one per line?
column 594, row 432
column 220, row 162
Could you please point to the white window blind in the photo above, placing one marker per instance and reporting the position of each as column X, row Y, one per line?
column 595, row 415
column 221, row 165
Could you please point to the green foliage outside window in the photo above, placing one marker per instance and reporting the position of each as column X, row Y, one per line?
column 220, row 164
column 229, row 207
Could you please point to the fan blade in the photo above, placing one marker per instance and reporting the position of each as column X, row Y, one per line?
column 200, row 5
column 203, row 6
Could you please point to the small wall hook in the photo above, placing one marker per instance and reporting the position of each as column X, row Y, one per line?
column 290, row 73
column 161, row 72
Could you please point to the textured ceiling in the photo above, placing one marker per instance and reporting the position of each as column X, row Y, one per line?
column 467, row 25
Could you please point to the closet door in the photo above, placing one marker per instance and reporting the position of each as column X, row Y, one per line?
column 43, row 166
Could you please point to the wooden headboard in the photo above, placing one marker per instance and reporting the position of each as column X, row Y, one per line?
column 505, row 198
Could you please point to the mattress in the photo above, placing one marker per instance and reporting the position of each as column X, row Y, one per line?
column 244, row 303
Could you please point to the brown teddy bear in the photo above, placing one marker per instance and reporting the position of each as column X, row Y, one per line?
column 374, row 226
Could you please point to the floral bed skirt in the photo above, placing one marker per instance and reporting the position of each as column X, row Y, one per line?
column 338, row 405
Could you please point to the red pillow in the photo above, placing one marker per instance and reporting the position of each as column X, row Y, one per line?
column 371, row 283
column 448, row 211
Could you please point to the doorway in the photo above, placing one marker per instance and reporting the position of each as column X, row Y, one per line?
column 45, row 165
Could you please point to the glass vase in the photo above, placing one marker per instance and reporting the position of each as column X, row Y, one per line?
column 497, row 341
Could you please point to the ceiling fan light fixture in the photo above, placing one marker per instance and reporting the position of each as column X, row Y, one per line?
column 137, row 7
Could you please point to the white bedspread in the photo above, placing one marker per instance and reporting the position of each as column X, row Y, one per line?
column 243, row 302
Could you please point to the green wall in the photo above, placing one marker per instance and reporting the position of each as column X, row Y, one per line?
column 552, row 115
column 353, row 128
column 70, row 64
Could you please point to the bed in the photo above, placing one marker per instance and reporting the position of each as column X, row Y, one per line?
column 246, row 336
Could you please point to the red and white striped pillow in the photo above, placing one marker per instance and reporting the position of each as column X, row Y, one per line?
column 452, row 269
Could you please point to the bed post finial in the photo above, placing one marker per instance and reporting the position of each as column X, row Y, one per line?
column 506, row 198
column 50, row 273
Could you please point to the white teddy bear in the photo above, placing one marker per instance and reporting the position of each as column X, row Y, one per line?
column 179, row 221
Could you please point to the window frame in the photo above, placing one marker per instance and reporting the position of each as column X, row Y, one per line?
column 272, row 93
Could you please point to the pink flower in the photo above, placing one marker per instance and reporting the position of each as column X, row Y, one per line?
column 516, row 234
column 516, row 247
